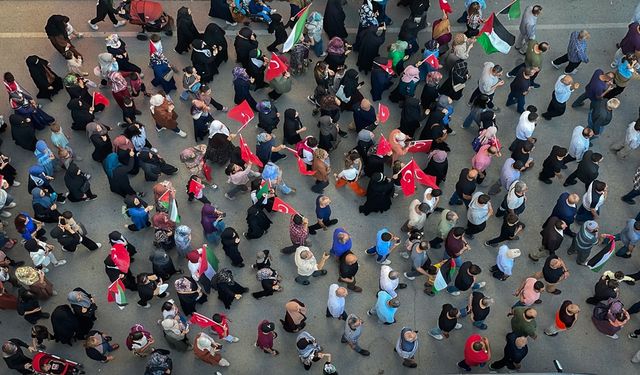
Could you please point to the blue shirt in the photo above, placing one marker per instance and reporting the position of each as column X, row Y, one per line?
column 508, row 174
column 563, row 211
column 385, row 313
column 382, row 247
column 322, row 213
column 629, row 235
column 562, row 91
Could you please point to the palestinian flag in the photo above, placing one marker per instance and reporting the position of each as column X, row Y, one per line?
column 512, row 10
column 446, row 270
column 173, row 211
column 597, row 261
column 494, row 37
column 165, row 200
column 115, row 293
column 264, row 189
column 296, row 33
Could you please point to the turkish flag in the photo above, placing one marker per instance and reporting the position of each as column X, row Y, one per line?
column 204, row 262
column 407, row 179
column 419, row 146
column 201, row 320
column 384, row 147
column 302, row 168
column 433, row 61
column 120, row 257
column 424, row 178
column 281, row 206
column 388, row 67
column 445, row 6
column 241, row 113
column 247, row 155
column 276, row 68
column 383, row 113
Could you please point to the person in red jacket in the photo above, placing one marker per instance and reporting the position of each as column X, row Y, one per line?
column 221, row 327
column 476, row 352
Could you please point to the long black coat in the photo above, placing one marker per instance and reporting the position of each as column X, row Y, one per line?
column 186, row 30
column 22, row 132
column 333, row 22
column 369, row 47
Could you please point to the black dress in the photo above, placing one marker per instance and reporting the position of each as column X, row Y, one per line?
column 162, row 264
column 80, row 114
column 333, row 22
column 369, row 48
column 113, row 273
column 77, row 184
column 411, row 116
column 102, row 147
column 220, row 9
column 119, row 182
column 227, row 292
column 291, row 125
column 22, row 132
column 459, row 75
column 188, row 301
column 214, row 35
column 258, row 223
column 374, row 164
column 438, row 170
column 203, row 60
column 379, row 194
column 86, row 318
column 65, row 324
column 244, row 45
column 45, row 79
column 187, row 31
column 230, row 247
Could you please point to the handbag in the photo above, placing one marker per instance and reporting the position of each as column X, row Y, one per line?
column 168, row 76
column 457, row 87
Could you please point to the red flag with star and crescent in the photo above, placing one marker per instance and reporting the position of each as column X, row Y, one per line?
column 407, row 178
column 419, row 146
column 275, row 68
column 433, row 61
column 201, row 320
column 424, row 178
column 388, row 67
column 445, row 6
column 383, row 113
column 282, row 206
column 241, row 113
column 384, row 147
column 247, row 155
column 120, row 256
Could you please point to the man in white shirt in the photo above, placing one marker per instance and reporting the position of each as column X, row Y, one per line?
column 417, row 216
column 525, row 128
column 488, row 83
column 580, row 142
column 631, row 141
column 336, row 302
column 390, row 281
column 308, row 265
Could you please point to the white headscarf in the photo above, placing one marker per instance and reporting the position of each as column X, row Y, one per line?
column 218, row 127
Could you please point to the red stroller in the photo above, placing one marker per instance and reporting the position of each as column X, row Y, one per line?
column 148, row 14
column 49, row 364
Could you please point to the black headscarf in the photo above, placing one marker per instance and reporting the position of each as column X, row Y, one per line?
column 22, row 132
column 57, row 25
column 291, row 125
column 350, row 82
column 411, row 116
column 75, row 181
column 186, row 30
column 214, row 35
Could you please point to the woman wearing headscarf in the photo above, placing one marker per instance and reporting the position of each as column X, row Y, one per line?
column 203, row 59
column 256, row 68
column 437, row 165
column 164, row 114
column 407, row 85
column 230, row 240
column 153, row 165
column 244, row 43
column 164, row 230
column 212, row 223
column 366, row 140
column 397, row 55
column 101, row 145
column 258, row 223
column 221, row 9
column 44, row 206
column 162, row 264
column 214, row 35
column 56, row 29
column 219, row 147
column 242, row 87
column 328, row 139
column 268, row 116
column 399, row 144
column 411, row 116
column 455, row 83
column 162, row 72
column 35, row 282
column 24, row 105
column 187, row 30
column 45, row 79
column 189, row 294
column 78, row 184
column 441, row 33
column 118, row 174
column 182, row 239
column 45, row 157
column 22, row 132
column 379, row 193
column 8, row 171
column 292, row 127
column 368, row 18
column 372, row 38
column 409, row 33
column 431, row 48
column 349, row 90
column 175, row 332
column 138, row 211
column 334, row 17
column 266, row 149
column 295, row 316
column 460, row 48
column 117, row 48
column 381, row 80
column 106, row 64
column 336, row 53
column 65, row 324
column 81, row 114
column 84, row 308
column 430, row 91
column 208, row 351
column 228, row 289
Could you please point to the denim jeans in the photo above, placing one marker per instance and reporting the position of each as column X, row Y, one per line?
column 457, row 200
column 436, row 331
column 456, row 259
column 318, row 48
column 516, row 98
column 453, row 288
column 379, row 258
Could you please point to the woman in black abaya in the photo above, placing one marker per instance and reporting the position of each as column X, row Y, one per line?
column 220, row 9
column 22, row 132
column 65, row 324
column 47, row 82
column 81, row 114
column 214, row 35
column 258, row 223
column 78, row 184
column 203, row 60
column 372, row 39
column 411, row 116
column 244, row 43
column 333, row 21
column 379, row 194
column 187, row 30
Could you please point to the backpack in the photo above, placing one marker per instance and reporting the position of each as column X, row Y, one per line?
column 476, row 144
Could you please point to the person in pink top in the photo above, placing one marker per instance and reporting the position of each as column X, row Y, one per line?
column 399, row 144
column 482, row 159
column 529, row 292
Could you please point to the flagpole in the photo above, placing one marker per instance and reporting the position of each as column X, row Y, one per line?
column 508, row 5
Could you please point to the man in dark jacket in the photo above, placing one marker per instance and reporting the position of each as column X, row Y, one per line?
column 552, row 236
column 514, row 352
column 587, row 170
column 600, row 114
column 565, row 209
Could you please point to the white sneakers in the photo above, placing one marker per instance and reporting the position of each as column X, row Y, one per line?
column 182, row 134
column 60, row 263
column 120, row 23
column 94, row 27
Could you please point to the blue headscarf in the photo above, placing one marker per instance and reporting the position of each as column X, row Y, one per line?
column 110, row 163
column 43, row 200
column 37, row 175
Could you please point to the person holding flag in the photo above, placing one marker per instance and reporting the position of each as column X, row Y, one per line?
column 195, row 189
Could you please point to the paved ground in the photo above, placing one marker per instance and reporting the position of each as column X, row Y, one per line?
column 582, row 350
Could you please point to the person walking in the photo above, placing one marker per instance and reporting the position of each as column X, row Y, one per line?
column 336, row 302
column 515, row 350
column 385, row 308
column 532, row 60
column 565, row 318
column 478, row 309
column 420, row 260
column 464, row 188
column 466, row 279
column 560, row 96
column 347, row 271
column 599, row 84
column 488, row 83
column 553, row 271
column 552, row 236
column 504, row 262
column 352, row 331
column 520, row 87
column 576, row 52
column 580, row 143
column 308, row 265
column 447, row 322
column 586, row 237
column 105, row 8
column 635, row 191
column 407, row 346
column 509, row 230
column 477, row 352
column 479, row 211
column 565, row 209
column 631, row 141
column 390, row 281
column 529, row 293
column 527, row 27
column 601, row 114
column 523, row 322
column 587, row 170
column 515, row 199
column 385, row 244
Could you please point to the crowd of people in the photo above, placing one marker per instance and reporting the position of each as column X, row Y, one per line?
column 346, row 114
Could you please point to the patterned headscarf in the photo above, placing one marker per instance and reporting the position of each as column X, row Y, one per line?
column 433, row 78
column 240, row 73
column 410, row 74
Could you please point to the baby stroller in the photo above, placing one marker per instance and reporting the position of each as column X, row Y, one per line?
column 148, row 14
column 255, row 10
column 49, row 364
